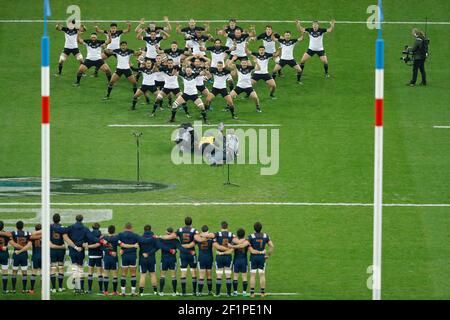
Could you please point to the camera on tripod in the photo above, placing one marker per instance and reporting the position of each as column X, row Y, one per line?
column 407, row 56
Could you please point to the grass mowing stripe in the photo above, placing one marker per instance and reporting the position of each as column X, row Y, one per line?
column 195, row 204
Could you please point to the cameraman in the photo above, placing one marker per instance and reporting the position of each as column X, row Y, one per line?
column 419, row 53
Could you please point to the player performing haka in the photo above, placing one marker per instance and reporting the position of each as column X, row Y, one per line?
column 287, row 54
column 227, row 31
column 240, row 40
column 221, row 75
column 200, row 66
column 94, row 56
column 244, row 84
column 152, row 42
column 153, row 27
column 263, row 57
column 197, row 43
column 123, row 67
column 219, row 52
column 190, row 92
column 116, row 35
column 190, row 30
column 174, row 53
column 70, row 44
column 315, row 43
column 171, row 86
column 148, row 82
column 269, row 43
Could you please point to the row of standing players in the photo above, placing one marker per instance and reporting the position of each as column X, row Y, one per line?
column 161, row 69
column 103, row 256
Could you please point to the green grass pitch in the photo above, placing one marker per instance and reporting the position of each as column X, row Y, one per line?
column 326, row 148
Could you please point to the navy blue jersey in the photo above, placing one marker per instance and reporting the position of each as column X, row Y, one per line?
column 129, row 237
column 4, row 241
column 205, row 248
column 223, row 238
column 258, row 241
column 21, row 237
column 96, row 252
column 79, row 234
column 111, row 245
column 37, row 247
column 148, row 247
column 56, row 232
column 166, row 245
column 186, row 235
column 241, row 253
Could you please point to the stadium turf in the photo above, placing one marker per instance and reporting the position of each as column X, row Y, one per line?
column 326, row 145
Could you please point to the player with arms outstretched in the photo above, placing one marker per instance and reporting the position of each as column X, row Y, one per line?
column 316, row 43
column 287, row 45
column 70, row 45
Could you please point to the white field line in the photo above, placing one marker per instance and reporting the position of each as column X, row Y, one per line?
column 223, row 294
column 441, row 127
column 203, row 125
column 243, row 21
column 199, row 204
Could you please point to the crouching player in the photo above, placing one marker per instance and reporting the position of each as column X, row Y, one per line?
column 70, row 44
column 258, row 257
column 123, row 55
column 190, row 92
column 110, row 261
column 148, row 83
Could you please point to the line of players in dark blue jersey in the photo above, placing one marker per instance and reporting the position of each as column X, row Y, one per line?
column 104, row 251
column 225, row 62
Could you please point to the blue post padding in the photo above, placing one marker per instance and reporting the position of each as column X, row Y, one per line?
column 379, row 54
column 45, row 51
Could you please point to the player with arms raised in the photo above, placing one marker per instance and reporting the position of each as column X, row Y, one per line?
column 287, row 54
column 316, row 43
column 70, row 45
column 94, row 56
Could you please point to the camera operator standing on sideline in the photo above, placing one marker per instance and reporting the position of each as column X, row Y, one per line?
column 419, row 51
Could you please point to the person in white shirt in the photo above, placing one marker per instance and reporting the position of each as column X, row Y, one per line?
column 220, row 75
column 190, row 93
column 116, row 35
column 94, row 56
column 123, row 55
column 245, row 83
column 153, row 27
column 263, row 57
column 70, row 44
column 152, row 42
column 316, row 43
column 148, row 83
column 287, row 46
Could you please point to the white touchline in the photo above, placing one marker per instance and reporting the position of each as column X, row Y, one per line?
column 203, row 125
column 243, row 21
column 441, row 127
column 195, row 204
